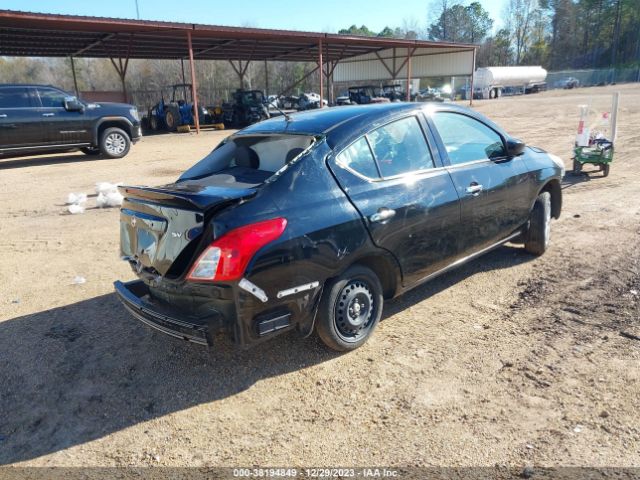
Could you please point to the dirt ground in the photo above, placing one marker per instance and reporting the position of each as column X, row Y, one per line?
column 511, row 360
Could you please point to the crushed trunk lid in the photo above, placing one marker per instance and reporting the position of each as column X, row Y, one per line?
column 161, row 226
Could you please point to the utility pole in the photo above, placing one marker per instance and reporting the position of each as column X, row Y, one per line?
column 75, row 79
column 137, row 11
column 616, row 41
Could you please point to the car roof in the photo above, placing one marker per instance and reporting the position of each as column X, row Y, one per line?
column 321, row 121
column 35, row 85
column 3, row 85
column 343, row 123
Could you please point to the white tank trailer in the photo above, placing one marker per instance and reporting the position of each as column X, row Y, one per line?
column 493, row 82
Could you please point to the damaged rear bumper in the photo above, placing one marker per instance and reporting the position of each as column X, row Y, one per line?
column 135, row 297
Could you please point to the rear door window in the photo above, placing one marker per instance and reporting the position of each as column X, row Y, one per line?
column 14, row 97
column 467, row 139
column 400, row 147
column 358, row 158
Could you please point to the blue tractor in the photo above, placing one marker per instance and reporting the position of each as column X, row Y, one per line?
column 179, row 111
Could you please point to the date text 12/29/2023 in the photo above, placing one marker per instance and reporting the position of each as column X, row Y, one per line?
column 315, row 473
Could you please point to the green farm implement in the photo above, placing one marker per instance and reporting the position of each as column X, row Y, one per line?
column 594, row 145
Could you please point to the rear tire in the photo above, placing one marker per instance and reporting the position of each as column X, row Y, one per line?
column 350, row 309
column 114, row 143
column 171, row 120
column 605, row 170
column 537, row 237
column 577, row 167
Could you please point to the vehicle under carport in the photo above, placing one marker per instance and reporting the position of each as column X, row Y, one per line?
column 347, row 57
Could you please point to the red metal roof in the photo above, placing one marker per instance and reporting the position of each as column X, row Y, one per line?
column 47, row 35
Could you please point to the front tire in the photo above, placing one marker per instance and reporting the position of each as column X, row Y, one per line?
column 605, row 170
column 154, row 123
column 114, row 143
column 537, row 237
column 350, row 309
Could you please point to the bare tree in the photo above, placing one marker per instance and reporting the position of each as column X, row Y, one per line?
column 519, row 17
column 411, row 29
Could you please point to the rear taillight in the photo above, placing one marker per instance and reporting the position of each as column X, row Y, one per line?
column 228, row 256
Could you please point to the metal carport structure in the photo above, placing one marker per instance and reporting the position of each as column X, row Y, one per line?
column 28, row 34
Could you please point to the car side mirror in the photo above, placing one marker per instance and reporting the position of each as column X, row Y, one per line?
column 515, row 147
column 72, row 104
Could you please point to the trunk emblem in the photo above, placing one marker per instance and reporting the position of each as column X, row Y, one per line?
column 133, row 221
column 176, row 234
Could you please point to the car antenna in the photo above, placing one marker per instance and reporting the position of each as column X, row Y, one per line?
column 287, row 116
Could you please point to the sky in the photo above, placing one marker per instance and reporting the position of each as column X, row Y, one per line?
column 282, row 14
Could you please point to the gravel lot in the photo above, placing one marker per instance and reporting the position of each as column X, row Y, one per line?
column 510, row 360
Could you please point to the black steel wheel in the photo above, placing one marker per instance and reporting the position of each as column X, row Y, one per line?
column 350, row 309
column 354, row 310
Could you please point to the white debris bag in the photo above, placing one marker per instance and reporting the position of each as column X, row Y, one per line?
column 76, row 198
column 106, row 187
column 74, row 209
column 78, row 280
column 108, row 195
column 110, row 199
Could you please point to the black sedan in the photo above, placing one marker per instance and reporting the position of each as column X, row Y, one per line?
column 309, row 221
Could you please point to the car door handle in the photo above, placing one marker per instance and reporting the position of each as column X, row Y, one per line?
column 48, row 114
column 382, row 215
column 474, row 189
column 3, row 115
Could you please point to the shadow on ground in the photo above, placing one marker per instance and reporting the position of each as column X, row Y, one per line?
column 585, row 176
column 49, row 159
column 73, row 374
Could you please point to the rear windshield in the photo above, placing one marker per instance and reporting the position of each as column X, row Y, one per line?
column 249, row 160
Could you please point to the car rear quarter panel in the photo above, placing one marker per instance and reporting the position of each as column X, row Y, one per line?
column 324, row 235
